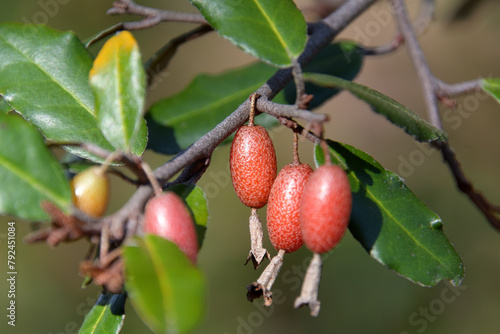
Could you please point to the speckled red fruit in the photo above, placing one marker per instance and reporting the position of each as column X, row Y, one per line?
column 90, row 191
column 253, row 165
column 167, row 216
column 283, row 208
column 325, row 208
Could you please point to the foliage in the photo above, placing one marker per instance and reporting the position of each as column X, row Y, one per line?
column 53, row 91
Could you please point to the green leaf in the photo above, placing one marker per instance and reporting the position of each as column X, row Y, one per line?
column 4, row 107
column 394, row 226
column 118, row 81
column 178, row 121
column 274, row 31
column 195, row 200
column 29, row 173
column 107, row 315
column 342, row 59
column 492, row 86
column 44, row 77
column 384, row 105
column 167, row 291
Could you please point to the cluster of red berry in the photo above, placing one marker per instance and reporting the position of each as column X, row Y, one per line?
column 303, row 206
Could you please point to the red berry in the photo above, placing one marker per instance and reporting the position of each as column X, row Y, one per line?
column 167, row 216
column 253, row 165
column 90, row 191
column 325, row 208
column 283, row 208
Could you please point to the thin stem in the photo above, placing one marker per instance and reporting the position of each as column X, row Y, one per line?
column 109, row 159
column 253, row 98
column 152, row 179
column 425, row 75
column 392, row 46
column 104, row 243
column 296, row 158
column 300, row 88
column 130, row 7
column 491, row 212
column 105, row 33
column 326, row 152
column 152, row 17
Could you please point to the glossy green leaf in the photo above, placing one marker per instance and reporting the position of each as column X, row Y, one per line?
column 29, row 173
column 492, row 86
column 44, row 76
column 119, row 84
column 107, row 315
column 384, row 105
column 394, row 226
column 178, row 121
column 341, row 59
column 195, row 200
column 166, row 290
column 274, row 31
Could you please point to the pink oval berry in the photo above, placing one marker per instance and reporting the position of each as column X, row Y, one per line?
column 167, row 216
column 253, row 165
column 325, row 208
column 283, row 208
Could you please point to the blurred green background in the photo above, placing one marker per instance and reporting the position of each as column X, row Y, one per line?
column 358, row 295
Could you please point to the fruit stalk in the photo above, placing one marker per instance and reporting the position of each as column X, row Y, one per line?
column 310, row 286
column 257, row 252
column 263, row 285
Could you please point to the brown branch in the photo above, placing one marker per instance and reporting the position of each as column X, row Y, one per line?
column 435, row 90
column 121, row 7
column 491, row 211
column 429, row 85
column 151, row 17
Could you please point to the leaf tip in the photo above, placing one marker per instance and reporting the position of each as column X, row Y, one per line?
column 123, row 41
